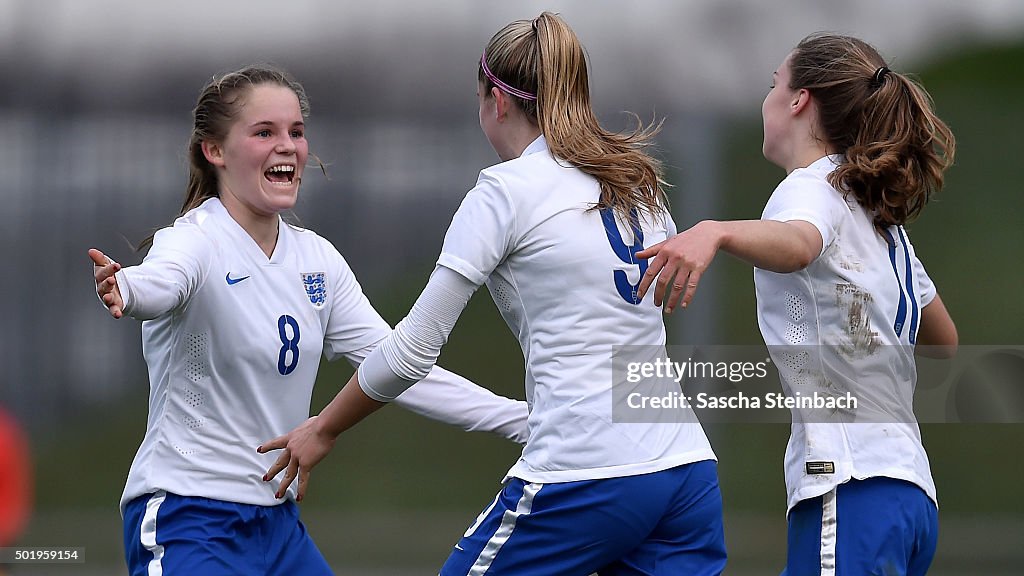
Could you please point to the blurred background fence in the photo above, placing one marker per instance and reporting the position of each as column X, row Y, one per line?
column 95, row 113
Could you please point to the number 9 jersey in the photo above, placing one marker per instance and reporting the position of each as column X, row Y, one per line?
column 564, row 276
column 233, row 341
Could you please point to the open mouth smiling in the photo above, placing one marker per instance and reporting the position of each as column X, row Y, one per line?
column 280, row 175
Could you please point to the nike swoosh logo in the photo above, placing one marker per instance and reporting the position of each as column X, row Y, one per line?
column 231, row 280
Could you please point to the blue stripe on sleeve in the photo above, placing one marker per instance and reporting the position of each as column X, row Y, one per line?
column 910, row 287
column 901, row 312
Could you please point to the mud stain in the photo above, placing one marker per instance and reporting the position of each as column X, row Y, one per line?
column 850, row 262
column 861, row 339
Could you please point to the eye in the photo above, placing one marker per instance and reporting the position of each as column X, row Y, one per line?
column 263, row 133
column 298, row 133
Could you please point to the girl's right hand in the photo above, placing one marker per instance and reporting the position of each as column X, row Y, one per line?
column 106, row 283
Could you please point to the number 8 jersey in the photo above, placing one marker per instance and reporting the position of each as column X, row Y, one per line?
column 233, row 341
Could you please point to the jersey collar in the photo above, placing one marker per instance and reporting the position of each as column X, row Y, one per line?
column 828, row 161
column 538, row 145
column 248, row 245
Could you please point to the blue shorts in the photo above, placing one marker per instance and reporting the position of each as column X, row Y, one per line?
column 873, row 526
column 178, row 535
column 667, row 522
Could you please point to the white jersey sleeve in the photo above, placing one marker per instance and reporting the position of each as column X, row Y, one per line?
column 804, row 196
column 175, row 267
column 925, row 287
column 482, row 231
column 450, row 398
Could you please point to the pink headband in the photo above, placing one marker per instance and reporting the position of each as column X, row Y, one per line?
column 505, row 87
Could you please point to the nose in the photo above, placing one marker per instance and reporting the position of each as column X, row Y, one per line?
column 285, row 145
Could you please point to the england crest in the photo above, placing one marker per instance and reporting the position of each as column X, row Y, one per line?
column 316, row 288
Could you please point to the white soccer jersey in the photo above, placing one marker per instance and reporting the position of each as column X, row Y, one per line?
column 846, row 323
column 564, row 281
column 233, row 341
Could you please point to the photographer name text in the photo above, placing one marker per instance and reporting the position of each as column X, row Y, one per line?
column 741, row 401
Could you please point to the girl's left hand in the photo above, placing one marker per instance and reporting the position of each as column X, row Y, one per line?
column 304, row 447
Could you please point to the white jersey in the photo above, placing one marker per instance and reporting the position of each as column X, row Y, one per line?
column 564, row 282
column 851, row 318
column 233, row 340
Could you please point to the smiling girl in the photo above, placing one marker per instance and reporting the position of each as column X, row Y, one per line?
column 237, row 308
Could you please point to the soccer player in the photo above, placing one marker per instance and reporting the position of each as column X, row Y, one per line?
column 837, row 278
column 237, row 308
column 552, row 230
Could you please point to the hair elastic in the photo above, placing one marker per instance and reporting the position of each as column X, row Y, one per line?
column 879, row 76
column 505, row 87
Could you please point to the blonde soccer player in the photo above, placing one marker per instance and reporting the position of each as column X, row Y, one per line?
column 553, row 231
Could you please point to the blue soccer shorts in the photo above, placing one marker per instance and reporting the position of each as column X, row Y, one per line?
column 873, row 526
column 178, row 535
column 662, row 523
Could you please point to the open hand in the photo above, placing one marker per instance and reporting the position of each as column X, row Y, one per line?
column 304, row 447
column 106, row 283
column 679, row 261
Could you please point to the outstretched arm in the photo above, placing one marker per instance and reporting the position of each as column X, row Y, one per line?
column 679, row 262
column 447, row 397
column 442, row 395
column 172, row 271
column 452, row 399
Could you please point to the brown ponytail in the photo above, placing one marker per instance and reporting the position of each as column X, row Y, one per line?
column 896, row 148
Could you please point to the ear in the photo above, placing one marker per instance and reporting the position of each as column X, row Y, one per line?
column 801, row 101
column 501, row 103
column 214, row 153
